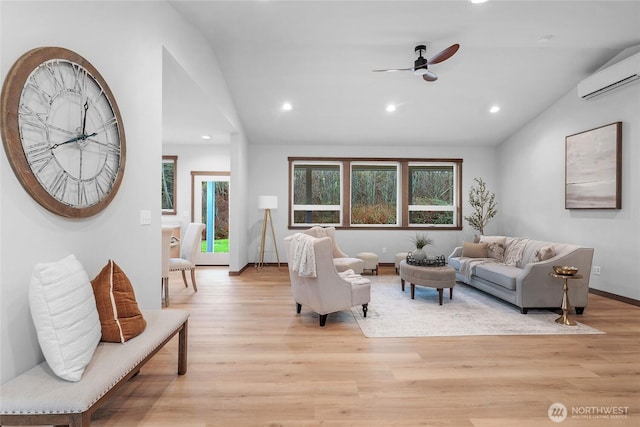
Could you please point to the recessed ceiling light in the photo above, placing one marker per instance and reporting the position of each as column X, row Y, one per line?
column 205, row 137
column 494, row 109
column 391, row 108
column 287, row 106
column 545, row 39
column 478, row 1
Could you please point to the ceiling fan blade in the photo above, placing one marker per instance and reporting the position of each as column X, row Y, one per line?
column 393, row 69
column 445, row 54
column 430, row 76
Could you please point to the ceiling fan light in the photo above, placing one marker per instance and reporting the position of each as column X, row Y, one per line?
column 420, row 71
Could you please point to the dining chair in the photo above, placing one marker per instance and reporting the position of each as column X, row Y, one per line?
column 166, row 249
column 189, row 249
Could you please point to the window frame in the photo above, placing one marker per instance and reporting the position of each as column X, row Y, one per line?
column 387, row 163
column 435, row 208
column 171, row 192
column 295, row 207
column 402, row 198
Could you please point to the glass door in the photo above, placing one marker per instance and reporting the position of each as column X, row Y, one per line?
column 210, row 206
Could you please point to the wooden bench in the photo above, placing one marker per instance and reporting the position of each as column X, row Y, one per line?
column 39, row 397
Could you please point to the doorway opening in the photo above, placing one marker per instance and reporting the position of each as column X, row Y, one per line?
column 210, row 206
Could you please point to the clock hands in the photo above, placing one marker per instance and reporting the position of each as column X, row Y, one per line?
column 84, row 118
column 77, row 138
column 83, row 136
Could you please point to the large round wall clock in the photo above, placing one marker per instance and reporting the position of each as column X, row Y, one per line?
column 62, row 132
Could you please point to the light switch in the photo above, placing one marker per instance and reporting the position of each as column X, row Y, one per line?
column 145, row 217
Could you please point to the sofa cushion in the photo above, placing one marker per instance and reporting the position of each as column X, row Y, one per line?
column 454, row 262
column 120, row 317
column 65, row 316
column 500, row 274
column 474, row 250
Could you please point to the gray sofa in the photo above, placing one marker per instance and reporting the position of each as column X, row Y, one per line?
column 523, row 278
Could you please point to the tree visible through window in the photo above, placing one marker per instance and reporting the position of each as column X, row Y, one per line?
column 431, row 194
column 374, row 195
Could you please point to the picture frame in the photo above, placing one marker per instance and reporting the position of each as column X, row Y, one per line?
column 593, row 168
column 169, row 179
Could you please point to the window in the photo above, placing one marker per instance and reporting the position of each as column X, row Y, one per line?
column 317, row 193
column 432, row 194
column 374, row 194
column 380, row 193
column 169, row 168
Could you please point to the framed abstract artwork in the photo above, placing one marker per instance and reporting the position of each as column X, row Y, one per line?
column 593, row 168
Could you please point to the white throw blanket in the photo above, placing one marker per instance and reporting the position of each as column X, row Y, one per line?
column 467, row 265
column 303, row 255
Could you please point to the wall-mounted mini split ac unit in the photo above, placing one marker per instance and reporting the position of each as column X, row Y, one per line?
column 612, row 77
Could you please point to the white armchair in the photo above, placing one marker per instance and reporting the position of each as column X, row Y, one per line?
column 341, row 260
column 327, row 291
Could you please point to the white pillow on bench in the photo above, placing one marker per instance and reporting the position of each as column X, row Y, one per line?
column 64, row 312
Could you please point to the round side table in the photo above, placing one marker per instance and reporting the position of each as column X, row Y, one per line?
column 564, row 318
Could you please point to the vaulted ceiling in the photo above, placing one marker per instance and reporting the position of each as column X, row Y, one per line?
column 319, row 56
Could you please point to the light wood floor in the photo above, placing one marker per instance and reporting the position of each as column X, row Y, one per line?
column 254, row 362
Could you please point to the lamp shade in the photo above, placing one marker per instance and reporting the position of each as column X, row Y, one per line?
column 268, row 202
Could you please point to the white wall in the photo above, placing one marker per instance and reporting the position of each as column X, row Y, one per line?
column 532, row 170
column 268, row 174
column 125, row 43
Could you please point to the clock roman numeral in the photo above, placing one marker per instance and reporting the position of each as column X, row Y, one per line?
column 79, row 78
column 39, row 155
column 55, row 75
column 59, row 184
column 33, row 84
column 106, row 125
column 27, row 112
column 82, row 194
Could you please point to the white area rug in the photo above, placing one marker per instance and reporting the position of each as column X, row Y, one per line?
column 392, row 313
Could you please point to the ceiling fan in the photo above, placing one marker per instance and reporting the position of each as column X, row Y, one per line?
column 420, row 66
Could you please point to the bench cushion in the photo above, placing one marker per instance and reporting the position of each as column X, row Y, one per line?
column 40, row 391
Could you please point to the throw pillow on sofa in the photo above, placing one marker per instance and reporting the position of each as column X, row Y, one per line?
column 65, row 316
column 120, row 317
column 496, row 246
column 475, row 250
column 514, row 251
column 543, row 254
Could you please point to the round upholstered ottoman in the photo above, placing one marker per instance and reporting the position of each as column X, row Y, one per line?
column 399, row 257
column 370, row 261
column 433, row 277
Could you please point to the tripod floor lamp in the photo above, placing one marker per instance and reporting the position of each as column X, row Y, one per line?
column 267, row 203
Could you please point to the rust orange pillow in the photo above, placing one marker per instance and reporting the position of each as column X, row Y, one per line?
column 120, row 317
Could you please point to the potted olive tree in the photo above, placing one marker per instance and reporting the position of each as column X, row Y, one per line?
column 483, row 204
